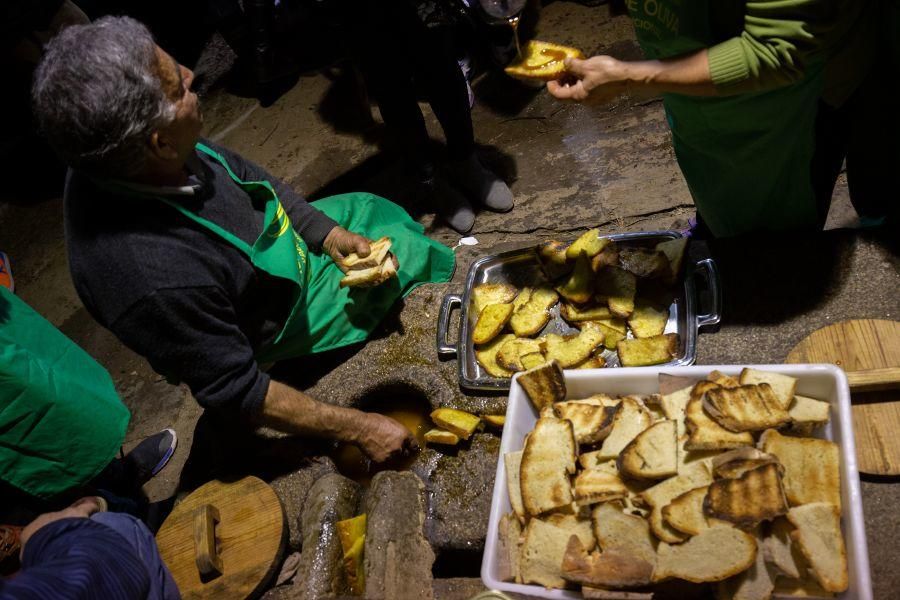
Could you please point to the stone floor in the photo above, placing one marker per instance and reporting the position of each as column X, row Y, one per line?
column 570, row 167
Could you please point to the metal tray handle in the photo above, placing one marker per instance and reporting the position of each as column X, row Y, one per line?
column 707, row 267
column 444, row 347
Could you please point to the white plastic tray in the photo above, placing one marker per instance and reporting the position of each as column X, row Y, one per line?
column 823, row 382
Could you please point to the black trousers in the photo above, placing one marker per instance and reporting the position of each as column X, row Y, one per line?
column 399, row 58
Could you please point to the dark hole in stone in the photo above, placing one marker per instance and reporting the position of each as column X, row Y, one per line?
column 457, row 563
column 400, row 402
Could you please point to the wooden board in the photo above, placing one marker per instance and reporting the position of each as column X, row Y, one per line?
column 861, row 345
column 250, row 538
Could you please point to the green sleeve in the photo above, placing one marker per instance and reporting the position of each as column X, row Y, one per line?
column 771, row 51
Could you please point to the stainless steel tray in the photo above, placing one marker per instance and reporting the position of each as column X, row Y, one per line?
column 521, row 268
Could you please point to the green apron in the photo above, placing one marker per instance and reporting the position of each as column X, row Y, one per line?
column 323, row 315
column 746, row 158
column 61, row 420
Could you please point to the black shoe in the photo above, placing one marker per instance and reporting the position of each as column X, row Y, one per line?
column 150, row 456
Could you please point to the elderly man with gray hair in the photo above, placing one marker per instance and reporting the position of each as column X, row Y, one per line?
column 200, row 260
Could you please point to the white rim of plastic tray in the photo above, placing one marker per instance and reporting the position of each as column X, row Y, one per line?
column 520, row 418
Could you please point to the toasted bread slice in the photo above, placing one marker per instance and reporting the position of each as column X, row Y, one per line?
column 811, row 467
column 547, row 462
column 512, row 462
column 598, row 485
column 631, row 418
column 577, row 524
column 485, row 294
column 459, row 422
column 618, row 287
column 589, row 244
column 544, row 385
column 614, row 528
column 644, row 352
column 756, row 583
column 532, row 360
column 652, row 454
column 715, row 554
column 644, row 262
column 661, row 494
column 614, row 568
column 807, row 414
column 685, row 512
column 783, row 386
column 674, row 251
column 734, row 463
column 486, row 356
column 511, row 352
column 745, row 408
column 593, row 460
column 818, row 534
column 529, row 318
column 591, row 423
column 648, row 320
column 673, row 406
column 552, row 258
column 611, row 337
column 781, row 550
column 703, row 432
column 576, row 314
column 595, row 361
column 497, row 421
column 378, row 251
column 491, row 322
column 579, row 286
column 723, row 380
column 441, row 437
column 542, row 551
column 369, row 277
column 509, row 530
column 755, row 496
column 608, row 257
column 572, row 350
column 542, row 61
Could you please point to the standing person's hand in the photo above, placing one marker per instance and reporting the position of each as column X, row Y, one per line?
column 599, row 78
column 382, row 438
column 339, row 243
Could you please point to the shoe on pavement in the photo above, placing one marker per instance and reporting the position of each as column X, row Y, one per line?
column 451, row 205
column 481, row 184
column 150, row 456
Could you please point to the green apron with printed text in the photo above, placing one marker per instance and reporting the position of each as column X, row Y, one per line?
column 323, row 315
column 746, row 158
column 61, row 419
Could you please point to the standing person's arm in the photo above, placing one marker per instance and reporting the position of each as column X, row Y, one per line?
column 779, row 37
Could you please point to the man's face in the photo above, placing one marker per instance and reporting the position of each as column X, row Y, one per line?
column 176, row 81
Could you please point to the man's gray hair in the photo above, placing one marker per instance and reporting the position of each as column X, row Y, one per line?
column 97, row 96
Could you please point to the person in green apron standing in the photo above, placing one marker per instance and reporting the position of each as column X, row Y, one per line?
column 197, row 258
column 741, row 83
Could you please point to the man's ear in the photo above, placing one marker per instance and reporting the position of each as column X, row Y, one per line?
column 160, row 146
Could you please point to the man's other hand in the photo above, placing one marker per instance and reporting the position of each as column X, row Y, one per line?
column 382, row 438
column 339, row 243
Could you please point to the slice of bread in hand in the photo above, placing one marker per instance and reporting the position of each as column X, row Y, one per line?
column 652, row 454
column 509, row 530
column 542, row 61
column 631, row 418
column 783, row 386
column 614, row 528
column 818, row 534
column 544, row 385
column 598, row 485
column 512, row 463
column 685, row 513
column 716, row 554
column 781, row 550
column 591, row 423
column 547, row 462
column 614, row 568
column 811, row 467
column 755, row 496
column 660, row 495
column 378, row 251
column 756, row 583
column 542, row 552
column 745, row 408
column 703, row 432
